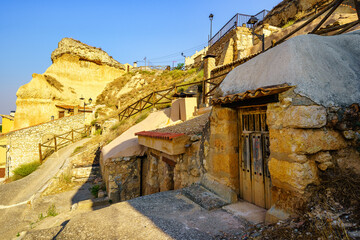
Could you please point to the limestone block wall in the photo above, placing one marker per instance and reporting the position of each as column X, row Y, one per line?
column 24, row 143
column 306, row 139
column 234, row 45
column 124, row 172
column 163, row 172
column 222, row 162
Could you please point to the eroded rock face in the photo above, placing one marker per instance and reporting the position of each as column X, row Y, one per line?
column 84, row 52
column 288, row 9
column 77, row 70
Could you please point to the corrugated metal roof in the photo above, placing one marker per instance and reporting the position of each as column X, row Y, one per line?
column 167, row 136
column 260, row 92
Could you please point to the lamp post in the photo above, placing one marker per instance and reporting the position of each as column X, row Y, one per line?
column 253, row 20
column 211, row 16
column 85, row 104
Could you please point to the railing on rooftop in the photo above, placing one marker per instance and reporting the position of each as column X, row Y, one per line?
column 237, row 21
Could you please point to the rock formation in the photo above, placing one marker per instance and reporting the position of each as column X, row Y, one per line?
column 77, row 70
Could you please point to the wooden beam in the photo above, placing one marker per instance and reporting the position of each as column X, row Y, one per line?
column 347, row 27
column 331, row 29
column 357, row 7
column 40, row 153
column 336, row 5
column 306, row 23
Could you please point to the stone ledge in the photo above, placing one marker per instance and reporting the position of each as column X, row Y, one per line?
column 220, row 189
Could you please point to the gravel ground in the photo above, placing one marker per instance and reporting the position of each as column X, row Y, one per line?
column 191, row 127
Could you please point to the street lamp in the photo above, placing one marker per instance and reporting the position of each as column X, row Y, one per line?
column 85, row 104
column 252, row 21
column 211, row 16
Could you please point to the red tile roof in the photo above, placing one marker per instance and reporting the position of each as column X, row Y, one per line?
column 167, row 136
column 260, row 92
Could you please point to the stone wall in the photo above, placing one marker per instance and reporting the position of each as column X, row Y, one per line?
column 306, row 139
column 122, row 177
column 24, row 143
column 163, row 172
column 232, row 46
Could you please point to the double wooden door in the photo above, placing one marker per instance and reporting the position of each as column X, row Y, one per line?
column 255, row 181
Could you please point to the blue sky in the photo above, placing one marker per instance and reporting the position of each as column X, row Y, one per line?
column 126, row 30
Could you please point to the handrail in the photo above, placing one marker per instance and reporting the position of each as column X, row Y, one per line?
column 62, row 142
column 149, row 100
column 235, row 22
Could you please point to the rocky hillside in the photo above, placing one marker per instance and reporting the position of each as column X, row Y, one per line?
column 293, row 10
column 77, row 70
column 131, row 86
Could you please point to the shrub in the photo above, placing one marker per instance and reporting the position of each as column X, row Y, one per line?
column 25, row 169
column 288, row 24
column 98, row 131
column 95, row 190
column 142, row 117
column 77, row 149
column 52, row 211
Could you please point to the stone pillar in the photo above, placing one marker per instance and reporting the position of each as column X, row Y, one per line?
column 76, row 110
column 223, row 161
column 209, row 64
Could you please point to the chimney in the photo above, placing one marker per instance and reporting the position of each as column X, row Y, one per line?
column 135, row 64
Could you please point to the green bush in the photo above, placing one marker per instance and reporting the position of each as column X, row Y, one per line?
column 95, row 190
column 25, row 169
column 98, row 132
column 52, row 211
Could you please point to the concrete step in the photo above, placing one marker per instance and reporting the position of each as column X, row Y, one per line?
column 203, row 197
column 248, row 211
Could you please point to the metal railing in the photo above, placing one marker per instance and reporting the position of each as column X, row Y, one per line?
column 237, row 21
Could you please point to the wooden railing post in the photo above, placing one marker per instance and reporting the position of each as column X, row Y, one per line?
column 72, row 135
column 203, row 92
column 40, row 153
column 55, row 145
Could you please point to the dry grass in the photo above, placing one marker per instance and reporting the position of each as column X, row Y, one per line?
column 333, row 210
column 156, row 80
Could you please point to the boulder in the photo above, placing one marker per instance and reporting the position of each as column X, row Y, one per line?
column 305, row 141
column 293, row 176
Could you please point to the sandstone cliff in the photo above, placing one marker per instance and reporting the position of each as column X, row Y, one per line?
column 77, row 70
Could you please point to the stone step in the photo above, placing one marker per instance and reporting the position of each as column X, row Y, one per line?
column 203, row 197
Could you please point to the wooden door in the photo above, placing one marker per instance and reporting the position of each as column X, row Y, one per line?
column 61, row 114
column 255, row 183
